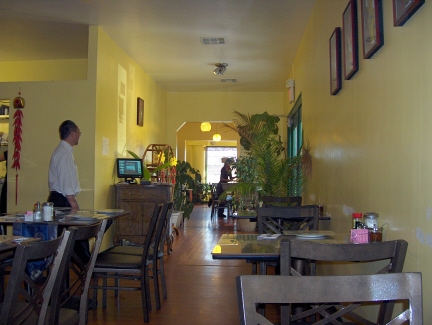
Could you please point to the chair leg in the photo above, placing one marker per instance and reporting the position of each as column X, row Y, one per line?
column 162, row 275
column 116, row 283
column 104, row 293
column 156, row 285
column 145, row 295
column 95, row 292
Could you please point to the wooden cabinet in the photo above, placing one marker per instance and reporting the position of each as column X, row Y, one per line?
column 140, row 201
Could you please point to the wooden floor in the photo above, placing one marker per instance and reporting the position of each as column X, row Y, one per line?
column 200, row 290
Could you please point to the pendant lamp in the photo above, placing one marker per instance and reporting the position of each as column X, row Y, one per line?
column 216, row 137
column 205, row 126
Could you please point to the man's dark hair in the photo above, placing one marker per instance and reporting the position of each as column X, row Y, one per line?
column 66, row 128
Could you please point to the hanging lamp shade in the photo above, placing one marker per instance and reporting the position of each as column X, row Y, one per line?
column 205, row 126
column 216, row 137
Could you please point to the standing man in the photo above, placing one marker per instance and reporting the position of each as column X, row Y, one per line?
column 63, row 180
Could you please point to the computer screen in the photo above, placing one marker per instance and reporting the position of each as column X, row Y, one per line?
column 129, row 169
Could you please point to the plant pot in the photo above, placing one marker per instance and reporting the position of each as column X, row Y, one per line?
column 177, row 218
column 247, row 226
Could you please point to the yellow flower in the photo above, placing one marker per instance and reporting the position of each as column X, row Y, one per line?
column 173, row 161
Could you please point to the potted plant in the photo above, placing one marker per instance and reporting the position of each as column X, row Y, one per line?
column 147, row 173
column 187, row 179
column 265, row 167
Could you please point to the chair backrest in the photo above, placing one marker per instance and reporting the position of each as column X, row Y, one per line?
column 291, row 252
column 83, row 270
column 254, row 289
column 162, row 228
column 214, row 192
column 281, row 201
column 150, row 236
column 277, row 219
column 25, row 298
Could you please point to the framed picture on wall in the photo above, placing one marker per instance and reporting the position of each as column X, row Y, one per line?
column 350, row 39
column 140, row 111
column 372, row 27
column 335, row 61
column 404, row 9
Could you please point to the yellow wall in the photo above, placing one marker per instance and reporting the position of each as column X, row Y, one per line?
column 93, row 105
column 213, row 106
column 43, row 70
column 371, row 142
column 192, row 142
column 47, row 105
column 120, row 81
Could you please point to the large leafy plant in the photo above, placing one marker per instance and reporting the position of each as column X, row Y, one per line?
column 265, row 166
column 187, row 177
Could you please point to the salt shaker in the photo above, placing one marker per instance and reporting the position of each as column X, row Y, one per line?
column 370, row 219
column 48, row 211
column 37, row 213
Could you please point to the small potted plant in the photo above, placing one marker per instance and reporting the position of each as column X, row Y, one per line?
column 187, row 179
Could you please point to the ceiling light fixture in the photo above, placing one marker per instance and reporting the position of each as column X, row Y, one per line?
column 220, row 68
column 205, row 126
column 217, row 137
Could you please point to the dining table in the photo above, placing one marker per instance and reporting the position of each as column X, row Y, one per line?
column 265, row 248
column 63, row 217
column 9, row 243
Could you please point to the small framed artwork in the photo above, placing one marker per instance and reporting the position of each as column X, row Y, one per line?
column 350, row 39
column 335, row 62
column 372, row 27
column 140, row 111
column 404, row 9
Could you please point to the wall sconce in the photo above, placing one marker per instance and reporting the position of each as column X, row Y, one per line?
column 205, row 126
column 290, row 84
column 216, row 137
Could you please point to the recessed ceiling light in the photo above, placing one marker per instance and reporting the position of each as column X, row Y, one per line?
column 212, row 40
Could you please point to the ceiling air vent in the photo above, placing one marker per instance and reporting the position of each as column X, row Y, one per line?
column 212, row 40
column 229, row 80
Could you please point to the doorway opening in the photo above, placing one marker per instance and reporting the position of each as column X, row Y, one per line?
column 214, row 162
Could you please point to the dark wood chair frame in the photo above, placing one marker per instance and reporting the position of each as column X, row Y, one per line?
column 128, row 267
column 82, row 270
column 154, row 259
column 276, row 219
column 376, row 288
column 299, row 257
column 31, row 302
column 281, row 201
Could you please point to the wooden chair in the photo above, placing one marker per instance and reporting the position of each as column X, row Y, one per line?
column 275, row 220
column 371, row 289
column 298, row 257
column 155, row 260
column 76, row 294
column 281, row 201
column 127, row 267
column 215, row 206
column 36, row 303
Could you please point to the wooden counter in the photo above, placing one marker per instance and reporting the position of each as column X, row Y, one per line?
column 140, row 201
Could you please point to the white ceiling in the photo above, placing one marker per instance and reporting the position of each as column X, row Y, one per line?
column 163, row 37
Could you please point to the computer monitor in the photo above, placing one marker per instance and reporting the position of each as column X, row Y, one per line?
column 129, row 169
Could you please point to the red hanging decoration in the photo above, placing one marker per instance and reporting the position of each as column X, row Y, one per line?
column 18, row 103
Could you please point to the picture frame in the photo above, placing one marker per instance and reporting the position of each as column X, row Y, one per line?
column 372, row 27
column 140, row 112
column 350, row 40
column 335, row 61
column 404, row 9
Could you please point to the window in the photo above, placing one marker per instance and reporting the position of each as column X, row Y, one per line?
column 295, row 129
column 214, row 163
